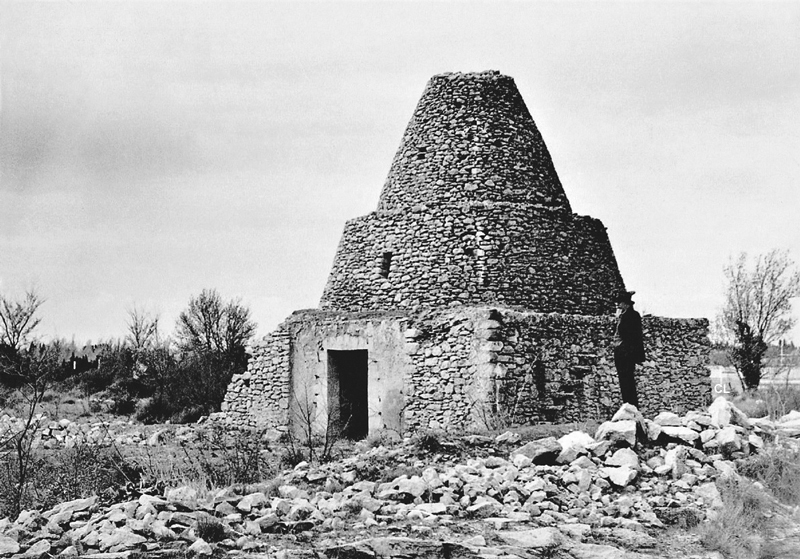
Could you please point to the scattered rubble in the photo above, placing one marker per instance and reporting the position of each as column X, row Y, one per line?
column 589, row 496
column 51, row 434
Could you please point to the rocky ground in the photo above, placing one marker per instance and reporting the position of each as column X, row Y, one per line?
column 630, row 490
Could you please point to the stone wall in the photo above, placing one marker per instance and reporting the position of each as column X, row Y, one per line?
column 261, row 395
column 286, row 382
column 495, row 367
column 471, row 366
column 479, row 253
column 561, row 368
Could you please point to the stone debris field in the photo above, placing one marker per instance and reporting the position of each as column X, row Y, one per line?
column 611, row 494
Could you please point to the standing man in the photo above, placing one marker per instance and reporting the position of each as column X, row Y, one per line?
column 628, row 346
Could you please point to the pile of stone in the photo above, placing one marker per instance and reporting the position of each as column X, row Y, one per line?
column 590, row 496
column 51, row 434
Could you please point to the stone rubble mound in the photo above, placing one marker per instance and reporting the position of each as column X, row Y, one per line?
column 587, row 496
column 51, row 434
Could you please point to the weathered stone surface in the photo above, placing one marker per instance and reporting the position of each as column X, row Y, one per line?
column 77, row 505
column 576, row 531
column 617, row 432
column 667, row 418
column 620, row 476
column 630, row 539
column 724, row 413
column 200, row 547
column 386, row 547
column 547, row 537
column 755, row 441
column 652, row 430
column 624, row 457
column 576, row 440
column 541, row 451
column 628, row 411
column 682, row 433
column 431, row 508
column 711, row 497
column 508, row 437
column 8, row 546
column 675, row 461
column 186, row 496
column 38, row 549
column 121, row 537
column 413, row 485
column 595, row 551
column 728, row 440
column 251, row 501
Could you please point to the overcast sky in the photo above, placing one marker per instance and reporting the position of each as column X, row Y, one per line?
column 150, row 150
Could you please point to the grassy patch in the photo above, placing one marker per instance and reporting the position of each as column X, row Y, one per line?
column 741, row 530
column 217, row 458
column 210, row 529
column 778, row 468
column 769, row 400
column 62, row 475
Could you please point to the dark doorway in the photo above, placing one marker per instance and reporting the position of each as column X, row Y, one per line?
column 347, row 393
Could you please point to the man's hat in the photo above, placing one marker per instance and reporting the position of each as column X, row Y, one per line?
column 624, row 297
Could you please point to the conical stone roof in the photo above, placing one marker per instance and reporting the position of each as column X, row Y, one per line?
column 473, row 213
column 471, row 138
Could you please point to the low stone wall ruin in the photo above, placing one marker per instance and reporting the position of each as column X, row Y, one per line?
column 467, row 367
column 260, row 397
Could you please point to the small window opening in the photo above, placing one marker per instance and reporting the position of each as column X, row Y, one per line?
column 386, row 264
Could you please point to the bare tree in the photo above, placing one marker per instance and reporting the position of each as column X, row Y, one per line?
column 213, row 326
column 18, row 319
column 28, row 367
column 142, row 329
column 757, row 309
column 36, row 367
column 211, row 335
column 761, row 295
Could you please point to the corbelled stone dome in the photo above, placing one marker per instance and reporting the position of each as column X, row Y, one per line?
column 472, row 139
column 473, row 212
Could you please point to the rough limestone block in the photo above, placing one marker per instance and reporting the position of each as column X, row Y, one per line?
column 617, row 432
column 620, row 476
column 541, row 451
column 624, row 457
column 680, row 432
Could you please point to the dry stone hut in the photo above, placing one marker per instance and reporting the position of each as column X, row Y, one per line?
column 472, row 296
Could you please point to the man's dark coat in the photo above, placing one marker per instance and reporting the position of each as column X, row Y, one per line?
column 630, row 345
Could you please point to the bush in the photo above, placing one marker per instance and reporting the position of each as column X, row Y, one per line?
column 427, row 441
column 780, row 400
column 218, row 458
column 210, row 529
column 291, row 457
column 62, row 475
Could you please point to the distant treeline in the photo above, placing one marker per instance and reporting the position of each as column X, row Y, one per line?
column 179, row 377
